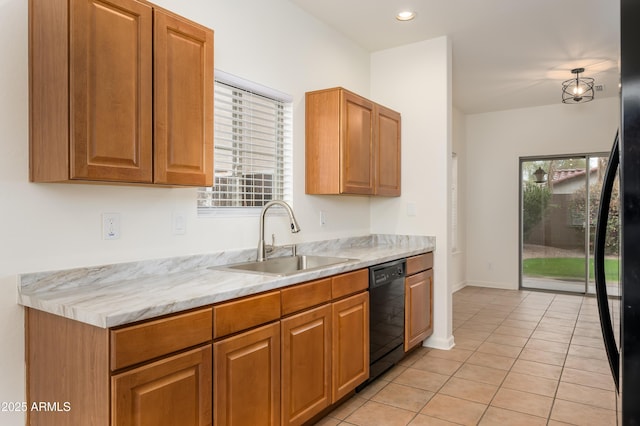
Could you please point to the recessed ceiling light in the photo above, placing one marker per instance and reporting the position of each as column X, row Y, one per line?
column 405, row 15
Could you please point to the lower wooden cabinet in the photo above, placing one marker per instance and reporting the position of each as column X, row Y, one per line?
column 174, row 391
column 350, row 344
column 418, row 294
column 306, row 364
column 246, row 378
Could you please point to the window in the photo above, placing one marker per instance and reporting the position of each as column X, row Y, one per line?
column 252, row 148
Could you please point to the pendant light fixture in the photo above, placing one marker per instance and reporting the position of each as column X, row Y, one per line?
column 577, row 90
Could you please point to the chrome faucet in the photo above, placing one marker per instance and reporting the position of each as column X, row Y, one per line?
column 294, row 225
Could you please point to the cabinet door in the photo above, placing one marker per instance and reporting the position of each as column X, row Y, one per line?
column 183, row 67
column 110, row 90
column 388, row 151
column 357, row 150
column 350, row 344
column 306, row 364
column 175, row 391
column 246, row 382
column 418, row 308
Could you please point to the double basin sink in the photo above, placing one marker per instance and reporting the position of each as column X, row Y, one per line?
column 287, row 265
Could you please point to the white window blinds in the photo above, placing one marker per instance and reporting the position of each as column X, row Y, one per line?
column 252, row 148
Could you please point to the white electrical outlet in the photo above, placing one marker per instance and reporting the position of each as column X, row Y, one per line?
column 178, row 224
column 110, row 226
column 323, row 218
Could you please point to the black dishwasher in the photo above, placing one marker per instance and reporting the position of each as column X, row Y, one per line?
column 386, row 316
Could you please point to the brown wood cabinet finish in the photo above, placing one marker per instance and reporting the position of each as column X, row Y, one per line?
column 306, row 364
column 352, row 145
column 133, row 344
column 350, row 344
column 238, row 315
column 67, row 361
column 304, row 296
column 419, row 263
column 91, row 80
column 246, row 383
column 183, row 66
column 388, row 161
column 172, row 391
column 418, row 302
column 349, row 283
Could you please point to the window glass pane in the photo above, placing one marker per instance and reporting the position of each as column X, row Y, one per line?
column 252, row 151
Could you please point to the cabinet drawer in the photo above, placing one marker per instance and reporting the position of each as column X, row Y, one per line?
column 303, row 296
column 349, row 283
column 239, row 315
column 148, row 340
column 419, row 263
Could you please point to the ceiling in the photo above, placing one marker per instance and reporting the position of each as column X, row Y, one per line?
column 506, row 53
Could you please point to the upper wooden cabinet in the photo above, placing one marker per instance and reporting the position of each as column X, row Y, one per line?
column 352, row 145
column 120, row 91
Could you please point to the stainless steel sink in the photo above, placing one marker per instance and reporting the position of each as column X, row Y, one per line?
column 287, row 265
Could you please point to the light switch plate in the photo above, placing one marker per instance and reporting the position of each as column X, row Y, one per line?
column 110, row 226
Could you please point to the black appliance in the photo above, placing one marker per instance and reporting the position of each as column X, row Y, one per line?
column 386, row 316
column 624, row 354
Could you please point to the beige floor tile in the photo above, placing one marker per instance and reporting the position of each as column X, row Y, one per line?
column 404, row 397
column 499, row 349
column 513, row 331
column 557, row 423
column 543, row 357
column 467, row 343
column 553, row 337
column 523, row 402
column 523, row 316
column 505, row 339
column 527, row 325
column 478, row 373
column 347, row 407
column 592, row 342
column 587, row 395
column 588, row 364
column 500, row 417
column 468, row 333
column 455, row 354
column 422, row 420
column 532, row 384
column 570, row 316
column 375, row 413
column 421, row 379
column 587, row 352
column 587, row 378
column 437, row 365
column 490, row 360
column 588, row 332
column 555, row 328
column 328, row 421
column 412, row 357
column 546, row 345
column 393, row 372
column 372, row 389
column 470, row 390
column 454, row 410
column 581, row 414
column 533, row 368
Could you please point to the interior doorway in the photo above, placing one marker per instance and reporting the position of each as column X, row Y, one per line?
column 559, row 199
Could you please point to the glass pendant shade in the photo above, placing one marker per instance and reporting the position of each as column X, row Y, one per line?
column 578, row 89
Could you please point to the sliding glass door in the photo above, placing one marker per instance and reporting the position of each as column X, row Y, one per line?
column 559, row 197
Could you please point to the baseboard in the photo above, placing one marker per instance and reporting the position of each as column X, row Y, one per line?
column 492, row 284
column 439, row 343
column 458, row 286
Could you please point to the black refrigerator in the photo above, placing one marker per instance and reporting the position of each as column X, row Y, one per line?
column 624, row 352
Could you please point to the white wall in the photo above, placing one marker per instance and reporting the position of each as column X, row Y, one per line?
column 495, row 141
column 415, row 79
column 57, row 226
column 458, row 265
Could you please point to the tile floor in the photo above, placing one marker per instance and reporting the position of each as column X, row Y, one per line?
column 521, row 358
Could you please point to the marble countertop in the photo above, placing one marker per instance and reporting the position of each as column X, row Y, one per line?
column 112, row 295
